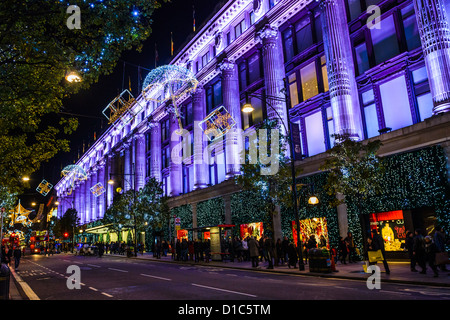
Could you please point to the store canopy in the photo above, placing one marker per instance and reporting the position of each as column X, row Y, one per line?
column 201, row 229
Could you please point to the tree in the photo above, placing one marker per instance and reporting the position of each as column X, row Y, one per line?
column 37, row 50
column 145, row 209
column 355, row 171
column 273, row 188
column 67, row 223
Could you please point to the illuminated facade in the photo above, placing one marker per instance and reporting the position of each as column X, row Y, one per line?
column 342, row 73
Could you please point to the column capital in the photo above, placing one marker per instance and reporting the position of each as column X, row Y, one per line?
column 226, row 65
column 267, row 32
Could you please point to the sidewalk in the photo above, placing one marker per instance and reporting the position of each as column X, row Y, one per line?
column 399, row 270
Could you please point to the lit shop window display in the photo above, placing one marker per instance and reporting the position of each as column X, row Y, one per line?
column 391, row 226
column 182, row 234
column 255, row 230
column 313, row 228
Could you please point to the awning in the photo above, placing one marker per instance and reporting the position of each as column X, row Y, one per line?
column 98, row 229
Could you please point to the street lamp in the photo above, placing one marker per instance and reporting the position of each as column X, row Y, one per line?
column 247, row 108
column 111, row 182
column 73, row 77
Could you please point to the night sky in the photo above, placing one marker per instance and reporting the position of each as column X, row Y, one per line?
column 175, row 17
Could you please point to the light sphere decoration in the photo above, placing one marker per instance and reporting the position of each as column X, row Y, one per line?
column 169, row 82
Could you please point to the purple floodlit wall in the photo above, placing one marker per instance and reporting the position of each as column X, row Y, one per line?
column 367, row 91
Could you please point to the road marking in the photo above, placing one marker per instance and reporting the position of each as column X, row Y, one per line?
column 108, row 295
column 117, row 270
column 161, row 278
column 93, row 265
column 224, row 290
column 93, row 289
column 26, row 288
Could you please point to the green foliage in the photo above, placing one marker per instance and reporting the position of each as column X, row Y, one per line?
column 66, row 223
column 211, row 212
column 354, row 168
column 146, row 209
column 273, row 189
column 37, row 49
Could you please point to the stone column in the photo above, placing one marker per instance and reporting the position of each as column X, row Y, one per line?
column 340, row 68
column 127, row 185
column 274, row 74
column 200, row 143
column 139, row 147
column 155, row 150
column 109, row 188
column 176, row 174
column 434, row 29
column 86, row 185
column 231, row 102
column 101, row 177
column 93, row 198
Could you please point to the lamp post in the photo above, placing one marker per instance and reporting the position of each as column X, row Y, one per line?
column 247, row 108
column 111, row 182
column 72, row 205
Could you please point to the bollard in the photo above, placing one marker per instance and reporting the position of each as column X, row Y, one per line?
column 5, row 275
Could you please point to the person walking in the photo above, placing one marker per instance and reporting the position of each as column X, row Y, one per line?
column 440, row 242
column 409, row 246
column 380, row 241
column 342, row 250
column 253, row 249
column 292, row 255
column 17, row 255
column 270, row 251
column 430, row 255
column 351, row 247
column 285, row 249
column 419, row 249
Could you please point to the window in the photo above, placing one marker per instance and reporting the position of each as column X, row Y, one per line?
column 165, row 130
column 242, row 76
column 187, row 114
column 303, row 34
column 188, row 179
column 354, row 8
column 205, row 60
column 330, row 126
column 256, row 116
column 217, row 168
column 252, row 18
column 370, row 113
column 165, row 157
column 362, row 59
column 323, row 64
column 422, row 91
column 384, row 40
column 410, row 27
column 228, row 38
column 309, row 81
column 396, row 108
column 214, row 96
column 239, row 29
column 314, row 134
column 293, row 92
column 288, row 44
column 254, row 68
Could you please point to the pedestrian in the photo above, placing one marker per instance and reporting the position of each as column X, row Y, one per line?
column 17, row 255
column 253, row 248
column 245, row 254
column 279, row 252
column 231, row 249
column 184, row 249
column 238, row 249
column 207, row 250
column 351, row 247
column 343, row 250
column 380, row 241
column 270, row 251
column 178, row 250
column 372, row 246
column 430, row 255
column 285, row 249
column 191, row 250
column 419, row 249
column 440, row 242
column 292, row 255
column 409, row 246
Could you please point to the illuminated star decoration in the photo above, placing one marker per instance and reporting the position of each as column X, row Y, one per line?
column 169, row 82
column 44, row 187
column 74, row 173
column 218, row 123
column 98, row 189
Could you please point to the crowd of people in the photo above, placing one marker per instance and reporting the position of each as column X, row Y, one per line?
column 11, row 252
